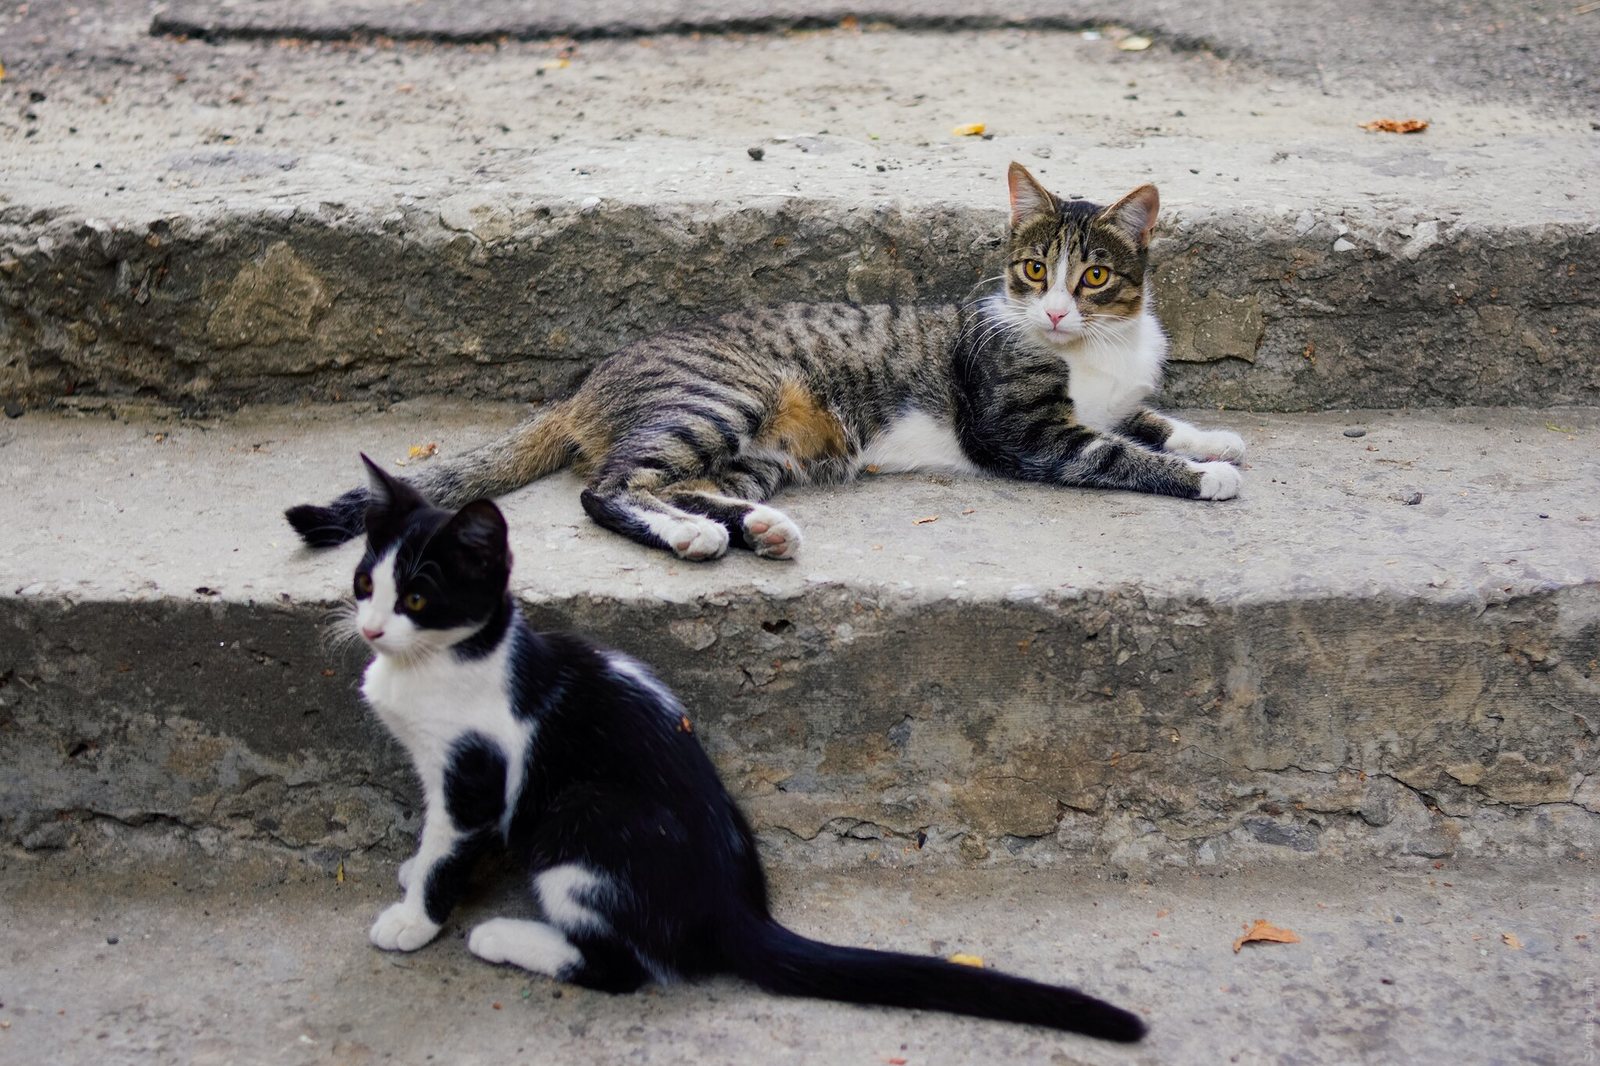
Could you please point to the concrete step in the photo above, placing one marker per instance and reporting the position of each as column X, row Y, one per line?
column 188, row 959
column 1385, row 648
column 206, row 225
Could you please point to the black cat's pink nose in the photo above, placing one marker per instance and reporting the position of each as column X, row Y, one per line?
column 371, row 634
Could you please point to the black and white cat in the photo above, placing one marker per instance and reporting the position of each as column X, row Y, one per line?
column 583, row 765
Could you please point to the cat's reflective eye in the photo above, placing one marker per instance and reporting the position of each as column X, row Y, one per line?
column 363, row 584
column 414, row 601
column 1095, row 277
column 1033, row 270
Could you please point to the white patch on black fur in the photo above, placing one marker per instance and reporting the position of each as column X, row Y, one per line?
column 566, row 893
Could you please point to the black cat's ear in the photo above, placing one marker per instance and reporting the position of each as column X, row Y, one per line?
column 387, row 498
column 1135, row 215
column 476, row 539
column 1029, row 199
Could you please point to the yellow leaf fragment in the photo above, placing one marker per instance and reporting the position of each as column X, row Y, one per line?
column 967, row 960
column 925, row 521
column 1395, row 125
column 1265, row 932
column 1511, row 941
column 338, row 875
column 1134, row 43
column 971, row 129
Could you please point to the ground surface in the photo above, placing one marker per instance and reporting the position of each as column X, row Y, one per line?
column 219, row 964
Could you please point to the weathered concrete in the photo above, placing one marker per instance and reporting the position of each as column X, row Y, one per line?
column 1320, row 668
column 212, row 225
column 199, row 961
column 1540, row 53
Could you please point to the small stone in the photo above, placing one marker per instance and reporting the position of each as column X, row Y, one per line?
column 1544, row 516
column 1413, row 499
column 758, row 153
column 112, row 939
column 1342, row 245
column 1355, row 432
column 13, row 409
column 590, row 205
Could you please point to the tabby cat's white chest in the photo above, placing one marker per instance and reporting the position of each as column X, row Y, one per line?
column 1111, row 378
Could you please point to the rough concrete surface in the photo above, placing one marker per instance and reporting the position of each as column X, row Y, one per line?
column 214, row 224
column 1319, row 668
column 194, row 961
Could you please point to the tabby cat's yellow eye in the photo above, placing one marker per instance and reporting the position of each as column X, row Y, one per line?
column 1096, row 276
column 414, row 601
column 363, row 584
column 1033, row 270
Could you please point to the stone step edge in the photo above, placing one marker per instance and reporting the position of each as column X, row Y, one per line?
column 306, row 305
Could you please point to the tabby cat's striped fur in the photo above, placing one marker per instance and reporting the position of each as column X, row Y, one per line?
column 681, row 436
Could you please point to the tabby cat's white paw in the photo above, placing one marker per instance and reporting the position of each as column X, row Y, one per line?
column 1218, row 481
column 770, row 533
column 695, row 538
column 402, row 928
column 406, row 869
column 1207, row 445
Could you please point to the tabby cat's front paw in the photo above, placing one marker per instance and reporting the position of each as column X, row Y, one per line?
column 695, row 538
column 1207, row 445
column 403, row 928
column 1218, row 481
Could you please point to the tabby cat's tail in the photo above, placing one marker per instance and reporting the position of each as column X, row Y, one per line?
column 539, row 446
column 782, row 961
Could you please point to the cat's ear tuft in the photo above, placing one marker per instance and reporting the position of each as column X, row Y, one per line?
column 387, row 497
column 478, row 533
column 1029, row 199
column 1135, row 215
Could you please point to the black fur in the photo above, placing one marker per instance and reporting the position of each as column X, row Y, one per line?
column 615, row 781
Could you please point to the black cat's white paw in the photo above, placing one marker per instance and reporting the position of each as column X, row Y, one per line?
column 770, row 533
column 402, row 927
column 405, row 871
column 535, row 946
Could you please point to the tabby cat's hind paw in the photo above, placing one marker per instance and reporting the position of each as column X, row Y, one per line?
column 770, row 533
column 695, row 538
column 1218, row 481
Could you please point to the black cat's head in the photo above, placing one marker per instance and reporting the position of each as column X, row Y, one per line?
column 429, row 579
column 1076, row 270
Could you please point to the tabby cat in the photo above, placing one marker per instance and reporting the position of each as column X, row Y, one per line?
column 683, row 435
column 584, row 767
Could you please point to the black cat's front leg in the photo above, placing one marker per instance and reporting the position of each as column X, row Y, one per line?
column 1166, row 433
column 461, row 819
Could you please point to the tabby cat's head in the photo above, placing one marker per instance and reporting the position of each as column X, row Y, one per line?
column 429, row 579
column 1075, row 270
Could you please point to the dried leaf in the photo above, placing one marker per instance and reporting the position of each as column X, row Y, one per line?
column 684, row 725
column 1511, row 941
column 925, row 521
column 971, row 129
column 1395, row 125
column 3, row 78
column 1264, row 932
column 1134, row 44
column 338, row 875
column 967, row 960
column 970, row 510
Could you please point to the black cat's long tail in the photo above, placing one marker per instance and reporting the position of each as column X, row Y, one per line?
column 533, row 449
column 784, row 962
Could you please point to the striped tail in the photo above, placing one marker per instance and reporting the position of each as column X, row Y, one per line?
column 541, row 445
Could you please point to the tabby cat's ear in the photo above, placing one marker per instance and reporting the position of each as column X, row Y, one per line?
column 1135, row 215
column 475, row 538
column 387, row 498
column 1028, row 198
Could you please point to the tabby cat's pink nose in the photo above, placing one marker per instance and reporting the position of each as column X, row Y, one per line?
column 1056, row 317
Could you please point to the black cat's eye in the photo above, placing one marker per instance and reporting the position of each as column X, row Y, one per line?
column 1095, row 277
column 363, row 584
column 414, row 601
column 1033, row 270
